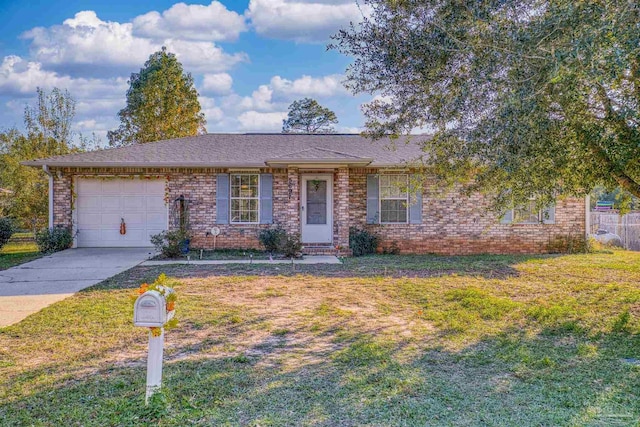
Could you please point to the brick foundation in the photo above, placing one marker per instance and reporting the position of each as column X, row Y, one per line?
column 451, row 223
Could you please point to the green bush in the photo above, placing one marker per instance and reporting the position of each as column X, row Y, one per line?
column 362, row 242
column 6, row 231
column 271, row 238
column 169, row 243
column 290, row 246
column 54, row 239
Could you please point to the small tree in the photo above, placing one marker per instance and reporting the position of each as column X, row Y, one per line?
column 307, row 116
column 48, row 133
column 162, row 103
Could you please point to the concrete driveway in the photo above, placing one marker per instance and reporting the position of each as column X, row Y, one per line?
column 30, row 287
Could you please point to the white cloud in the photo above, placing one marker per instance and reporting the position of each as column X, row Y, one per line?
column 202, row 57
column 309, row 86
column 212, row 112
column 303, row 21
column 260, row 99
column 87, row 40
column 21, row 77
column 193, row 22
column 217, row 84
column 88, row 45
column 348, row 129
column 255, row 121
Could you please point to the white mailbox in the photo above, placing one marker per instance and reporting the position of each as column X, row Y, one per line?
column 150, row 310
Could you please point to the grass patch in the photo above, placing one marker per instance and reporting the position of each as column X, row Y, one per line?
column 18, row 252
column 225, row 254
column 381, row 340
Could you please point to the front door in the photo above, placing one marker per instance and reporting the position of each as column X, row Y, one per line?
column 317, row 208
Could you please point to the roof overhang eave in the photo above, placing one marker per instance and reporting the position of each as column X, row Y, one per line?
column 78, row 164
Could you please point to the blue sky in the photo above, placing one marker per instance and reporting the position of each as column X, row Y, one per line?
column 250, row 58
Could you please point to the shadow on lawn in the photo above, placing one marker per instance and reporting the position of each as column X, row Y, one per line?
column 511, row 379
column 418, row 266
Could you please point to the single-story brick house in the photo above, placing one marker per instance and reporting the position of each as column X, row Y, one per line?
column 315, row 185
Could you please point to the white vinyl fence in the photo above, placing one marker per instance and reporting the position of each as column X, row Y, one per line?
column 626, row 226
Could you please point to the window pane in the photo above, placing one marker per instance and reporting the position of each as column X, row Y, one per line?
column 526, row 213
column 393, row 211
column 393, row 186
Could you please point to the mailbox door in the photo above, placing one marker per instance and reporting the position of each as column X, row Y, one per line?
column 150, row 310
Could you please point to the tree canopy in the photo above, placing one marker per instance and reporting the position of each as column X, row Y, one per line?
column 162, row 103
column 307, row 116
column 48, row 133
column 526, row 98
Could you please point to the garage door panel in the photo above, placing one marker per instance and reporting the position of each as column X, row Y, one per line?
column 89, row 234
column 89, row 220
column 135, row 220
column 89, row 202
column 111, row 204
column 102, row 203
column 110, row 221
column 109, row 234
column 156, row 220
column 112, row 186
column 155, row 203
column 89, row 186
column 133, row 186
column 135, row 236
column 134, row 203
column 155, row 186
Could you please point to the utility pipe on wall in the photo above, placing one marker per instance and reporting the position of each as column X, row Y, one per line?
column 46, row 170
column 587, row 217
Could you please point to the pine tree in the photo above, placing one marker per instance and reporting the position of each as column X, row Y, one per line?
column 162, row 103
column 307, row 116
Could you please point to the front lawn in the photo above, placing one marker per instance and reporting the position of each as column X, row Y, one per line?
column 223, row 254
column 384, row 340
column 18, row 252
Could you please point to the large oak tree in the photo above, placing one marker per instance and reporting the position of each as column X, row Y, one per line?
column 162, row 103
column 528, row 97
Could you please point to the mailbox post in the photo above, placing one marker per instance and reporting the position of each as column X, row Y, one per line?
column 150, row 310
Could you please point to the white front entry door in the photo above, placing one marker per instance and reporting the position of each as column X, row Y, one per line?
column 317, row 208
column 102, row 204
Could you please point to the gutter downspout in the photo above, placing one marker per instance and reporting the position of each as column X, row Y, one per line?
column 587, row 216
column 46, row 170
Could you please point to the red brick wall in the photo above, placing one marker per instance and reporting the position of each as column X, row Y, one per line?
column 452, row 223
column 456, row 224
column 62, row 200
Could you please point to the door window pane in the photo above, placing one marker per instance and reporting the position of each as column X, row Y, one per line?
column 317, row 202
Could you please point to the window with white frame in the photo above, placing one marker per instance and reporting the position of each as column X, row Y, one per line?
column 245, row 198
column 394, row 198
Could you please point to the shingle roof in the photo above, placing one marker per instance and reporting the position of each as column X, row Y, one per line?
column 246, row 150
column 318, row 153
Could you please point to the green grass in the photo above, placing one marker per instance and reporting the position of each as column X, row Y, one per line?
column 385, row 340
column 225, row 254
column 14, row 253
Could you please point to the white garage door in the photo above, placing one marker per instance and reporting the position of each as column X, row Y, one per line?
column 102, row 204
